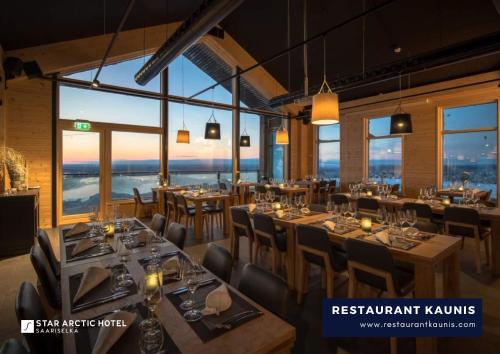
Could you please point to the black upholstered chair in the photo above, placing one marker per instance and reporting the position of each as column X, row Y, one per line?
column 314, row 246
column 242, row 227
column 426, row 226
column 12, row 346
column 29, row 307
column 260, row 188
column 176, row 233
column 424, row 211
column 222, row 186
column 322, row 191
column 158, row 224
column 187, row 212
column 44, row 242
column 218, row 260
column 367, row 207
column 317, row 208
column 339, row 199
column 265, row 288
column 171, row 211
column 267, row 235
column 140, row 203
column 465, row 222
column 46, row 276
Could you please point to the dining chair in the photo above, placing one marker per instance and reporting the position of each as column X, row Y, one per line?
column 46, row 277
column 466, row 222
column 222, row 186
column 424, row 211
column 139, row 204
column 158, row 223
column 265, row 288
column 322, row 191
column 171, row 209
column 260, row 188
column 46, row 246
column 395, row 188
column 314, row 246
column 214, row 212
column 373, row 265
column 426, row 226
column 218, row 261
column 186, row 212
column 266, row 235
column 332, row 188
column 320, row 208
column 367, row 207
column 339, row 199
column 277, row 193
column 242, row 227
column 29, row 307
column 176, row 233
column 12, row 346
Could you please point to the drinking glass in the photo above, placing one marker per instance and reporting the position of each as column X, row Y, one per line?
column 401, row 215
column 475, row 198
column 151, row 338
column 94, row 212
column 411, row 217
column 329, row 207
column 123, row 279
column 191, row 278
column 381, row 216
column 150, row 287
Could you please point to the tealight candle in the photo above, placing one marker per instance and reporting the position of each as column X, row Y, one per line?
column 152, row 281
column 276, row 206
column 446, row 201
column 366, row 224
column 369, row 193
column 461, row 188
column 281, row 185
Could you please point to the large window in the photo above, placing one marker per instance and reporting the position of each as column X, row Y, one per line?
column 384, row 152
column 329, row 152
column 276, row 157
column 135, row 163
column 470, row 146
column 249, row 156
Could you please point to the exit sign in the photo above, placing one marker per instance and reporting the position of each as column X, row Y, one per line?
column 79, row 125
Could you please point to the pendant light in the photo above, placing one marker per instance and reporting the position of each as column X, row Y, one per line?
column 182, row 134
column 245, row 138
column 325, row 104
column 400, row 121
column 282, row 135
column 212, row 128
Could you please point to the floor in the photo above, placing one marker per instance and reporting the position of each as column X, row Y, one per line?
column 17, row 269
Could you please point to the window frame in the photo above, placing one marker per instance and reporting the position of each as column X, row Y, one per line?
column 320, row 141
column 441, row 132
column 368, row 138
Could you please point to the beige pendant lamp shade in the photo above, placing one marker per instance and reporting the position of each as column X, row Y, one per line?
column 282, row 135
column 182, row 136
column 325, row 108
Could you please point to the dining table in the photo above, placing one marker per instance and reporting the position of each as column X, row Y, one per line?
column 160, row 195
column 264, row 333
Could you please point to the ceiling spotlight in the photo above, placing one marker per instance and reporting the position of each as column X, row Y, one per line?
column 396, row 49
column 95, row 83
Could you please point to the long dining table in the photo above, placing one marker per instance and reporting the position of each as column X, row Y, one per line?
column 264, row 334
column 426, row 257
column 487, row 214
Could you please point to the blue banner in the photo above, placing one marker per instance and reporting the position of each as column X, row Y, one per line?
column 402, row 318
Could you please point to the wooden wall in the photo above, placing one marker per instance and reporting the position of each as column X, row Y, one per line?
column 28, row 109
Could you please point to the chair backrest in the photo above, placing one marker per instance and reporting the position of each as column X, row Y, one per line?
column 218, row 260
column 222, row 186
column 371, row 263
column 44, row 242
column 277, row 191
column 260, row 188
column 241, row 222
column 158, row 223
column 46, row 276
column 460, row 221
column 171, row 199
column 137, row 195
column 395, row 188
column 424, row 211
column 317, row 208
column 426, row 226
column 176, row 233
column 12, row 346
column 339, row 199
column 265, row 288
column 332, row 186
column 313, row 242
column 181, row 203
column 368, row 204
column 263, row 225
column 29, row 307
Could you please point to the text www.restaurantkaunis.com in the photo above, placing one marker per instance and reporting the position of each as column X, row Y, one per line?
column 426, row 324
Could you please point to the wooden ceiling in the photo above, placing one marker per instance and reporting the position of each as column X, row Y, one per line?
column 259, row 26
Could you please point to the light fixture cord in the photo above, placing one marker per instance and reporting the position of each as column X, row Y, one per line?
column 182, row 89
column 324, row 86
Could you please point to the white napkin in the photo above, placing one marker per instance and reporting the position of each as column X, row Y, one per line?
column 251, row 207
column 305, row 210
column 217, row 301
column 171, row 265
column 108, row 336
column 78, row 229
column 383, row 237
column 92, row 277
column 82, row 246
column 330, row 225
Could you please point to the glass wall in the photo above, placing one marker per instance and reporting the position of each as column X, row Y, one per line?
column 329, row 152
column 276, row 157
column 470, row 146
column 384, row 152
column 250, row 156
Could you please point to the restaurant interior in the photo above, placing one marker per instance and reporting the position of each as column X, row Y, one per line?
column 207, row 172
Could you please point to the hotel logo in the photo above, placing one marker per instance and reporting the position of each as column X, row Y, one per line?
column 27, row 326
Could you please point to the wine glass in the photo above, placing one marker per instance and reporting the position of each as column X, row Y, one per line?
column 191, row 277
column 151, row 338
column 401, row 215
column 381, row 216
column 150, row 287
column 123, row 279
column 94, row 212
column 411, row 217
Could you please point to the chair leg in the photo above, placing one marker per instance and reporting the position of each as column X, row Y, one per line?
column 478, row 255
column 300, row 279
column 487, row 241
column 323, row 278
column 275, row 260
column 353, row 284
column 330, row 274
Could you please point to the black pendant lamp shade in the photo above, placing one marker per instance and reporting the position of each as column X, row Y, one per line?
column 401, row 124
column 245, row 139
column 212, row 129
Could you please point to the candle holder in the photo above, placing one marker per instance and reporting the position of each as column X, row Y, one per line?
column 369, row 193
column 366, row 225
column 446, row 201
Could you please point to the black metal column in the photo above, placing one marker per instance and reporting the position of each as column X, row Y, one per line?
column 235, row 88
column 164, row 124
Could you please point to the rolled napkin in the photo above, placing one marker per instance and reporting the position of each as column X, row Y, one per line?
column 78, row 229
column 217, row 301
column 383, row 237
column 92, row 277
column 330, row 225
column 108, row 336
column 305, row 210
column 171, row 265
column 251, row 207
column 82, row 246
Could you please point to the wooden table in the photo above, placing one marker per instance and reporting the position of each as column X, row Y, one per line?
column 198, row 201
column 265, row 334
column 243, row 189
column 291, row 191
column 160, row 192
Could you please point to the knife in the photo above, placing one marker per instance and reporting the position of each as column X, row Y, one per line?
column 229, row 323
column 102, row 253
column 166, row 255
column 200, row 285
column 100, row 301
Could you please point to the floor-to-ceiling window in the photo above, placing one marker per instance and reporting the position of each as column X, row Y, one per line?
column 384, row 152
column 469, row 146
column 250, row 155
column 329, row 152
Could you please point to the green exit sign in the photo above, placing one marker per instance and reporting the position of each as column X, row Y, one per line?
column 82, row 125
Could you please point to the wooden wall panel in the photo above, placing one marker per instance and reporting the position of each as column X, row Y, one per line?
column 351, row 148
column 29, row 117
